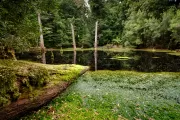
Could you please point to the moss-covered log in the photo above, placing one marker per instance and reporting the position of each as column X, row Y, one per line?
column 26, row 86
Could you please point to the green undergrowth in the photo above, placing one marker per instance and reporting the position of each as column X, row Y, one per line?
column 22, row 79
column 117, row 95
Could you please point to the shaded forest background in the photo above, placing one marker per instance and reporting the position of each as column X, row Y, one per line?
column 127, row 23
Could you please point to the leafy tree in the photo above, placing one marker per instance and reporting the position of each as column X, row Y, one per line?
column 166, row 39
column 139, row 23
column 175, row 26
column 133, row 29
column 57, row 29
column 18, row 27
column 151, row 32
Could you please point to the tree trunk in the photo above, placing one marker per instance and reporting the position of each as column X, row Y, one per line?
column 96, row 30
column 73, row 37
column 41, row 32
column 22, row 106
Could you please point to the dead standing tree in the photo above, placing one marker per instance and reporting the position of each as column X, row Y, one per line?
column 74, row 43
column 41, row 39
column 96, row 30
column 73, row 37
column 95, row 45
column 41, row 32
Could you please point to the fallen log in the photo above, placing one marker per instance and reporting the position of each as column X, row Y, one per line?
column 22, row 106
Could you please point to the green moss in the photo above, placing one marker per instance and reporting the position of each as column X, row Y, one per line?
column 64, row 72
column 22, row 79
column 38, row 76
column 8, row 88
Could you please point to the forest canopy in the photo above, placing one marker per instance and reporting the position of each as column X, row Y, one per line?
column 128, row 23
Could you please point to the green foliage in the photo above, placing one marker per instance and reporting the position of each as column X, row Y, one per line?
column 175, row 26
column 18, row 26
column 57, row 30
column 142, row 23
column 132, row 27
column 98, row 8
column 151, row 31
column 117, row 41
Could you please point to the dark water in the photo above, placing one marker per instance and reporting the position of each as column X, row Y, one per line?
column 100, row 60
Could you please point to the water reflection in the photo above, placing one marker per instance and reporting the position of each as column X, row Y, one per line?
column 52, row 57
column 74, row 58
column 100, row 60
column 43, row 58
column 95, row 59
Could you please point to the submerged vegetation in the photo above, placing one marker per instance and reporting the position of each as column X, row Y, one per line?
column 117, row 95
column 21, row 79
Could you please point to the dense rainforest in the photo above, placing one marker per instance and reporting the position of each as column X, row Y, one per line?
column 126, row 23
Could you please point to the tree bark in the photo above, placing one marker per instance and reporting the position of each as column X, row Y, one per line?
column 22, row 106
column 41, row 32
column 96, row 30
column 73, row 37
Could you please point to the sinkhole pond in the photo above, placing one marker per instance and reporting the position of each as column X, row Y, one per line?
column 124, row 86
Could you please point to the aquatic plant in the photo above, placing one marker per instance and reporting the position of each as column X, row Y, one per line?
column 117, row 95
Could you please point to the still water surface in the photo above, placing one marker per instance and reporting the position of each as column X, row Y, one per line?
column 105, row 60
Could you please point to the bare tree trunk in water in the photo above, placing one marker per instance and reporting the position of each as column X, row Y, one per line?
column 95, row 46
column 41, row 32
column 73, row 37
column 95, row 42
column 74, row 43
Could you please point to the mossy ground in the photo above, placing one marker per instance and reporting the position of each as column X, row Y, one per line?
column 117, row 95
column 22, row 79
